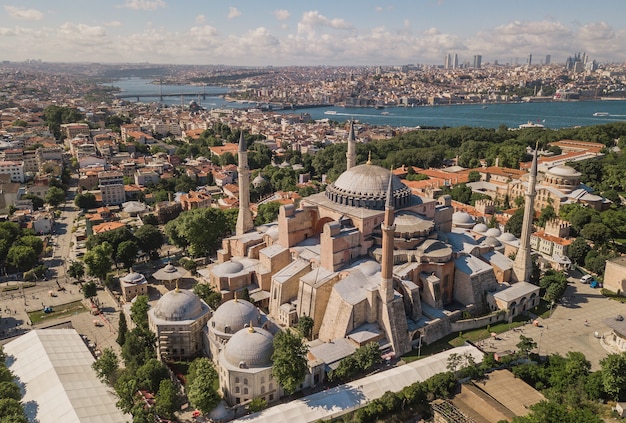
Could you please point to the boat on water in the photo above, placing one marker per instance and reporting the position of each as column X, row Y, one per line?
column 531, row 125
column 384, row 113
column 601, row 114
column 484, row 107
column 330, row 112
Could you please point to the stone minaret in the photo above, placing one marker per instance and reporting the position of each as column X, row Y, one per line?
column 523, row 265
column 244, row 218
column 351, row 154
column 388, row 229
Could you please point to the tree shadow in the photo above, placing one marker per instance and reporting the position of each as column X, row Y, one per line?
column 340, row 398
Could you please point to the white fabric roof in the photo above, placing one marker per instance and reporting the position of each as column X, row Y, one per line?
column 54, row 367
column 345, row 398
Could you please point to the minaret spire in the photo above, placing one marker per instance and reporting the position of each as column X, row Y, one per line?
column 523, row 265
column 351, row 154
column 388, row 230
column 244, row 218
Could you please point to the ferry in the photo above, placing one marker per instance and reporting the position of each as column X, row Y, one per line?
column 531, row 125
column 330, row 112
column 384, row 113
column 601, row 114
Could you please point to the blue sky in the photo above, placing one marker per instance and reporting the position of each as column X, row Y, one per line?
column 340, row 32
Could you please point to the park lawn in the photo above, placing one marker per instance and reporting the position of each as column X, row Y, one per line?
column 60, row 310
column 18, row 286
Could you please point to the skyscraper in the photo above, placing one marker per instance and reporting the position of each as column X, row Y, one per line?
column 477, row 61
column 530, row 59
column 548, row 59
column 446, row 61
column 456, row 61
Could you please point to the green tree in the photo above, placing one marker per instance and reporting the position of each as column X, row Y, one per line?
column 149, row 238
column 267, row 213
column 98, row 260
column 90, row 290
column 55, row 196
column 305, row 326
column 201, row 230
column 22, row 257
column 289, row 360
column 85, row 200
column 138, row 348
column 149, row 219
column 208, row 295
column 34, row 242
column 38, row 202
column 515, row 223
column 106, row 365
column 473, row 176
column 526, row 345
column 127, row 253
column 10, row 390
column 613, row 368
column 11, row 411
column 166, row 399
column 257, row 405
column 150, row 375
column 139, row 311
column 76, row 270
column 202, row 381
column 577, row 250
column 122, row 329
column 126, row 391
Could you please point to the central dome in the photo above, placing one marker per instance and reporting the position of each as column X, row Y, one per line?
column 179, row 305
column 249, row 348
column 365, row 186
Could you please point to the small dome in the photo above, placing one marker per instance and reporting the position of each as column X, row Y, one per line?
column 250, row 347
column 169, row 268
column 566, row 171
column 491, row 242
column 228, row 268
column 370, row 268
column 494, row 232
column 508, row 237
column 179, row 305
column 134, row 278
column 234, row 315
column 480, row 227
column 462, row 218
column 259, row 180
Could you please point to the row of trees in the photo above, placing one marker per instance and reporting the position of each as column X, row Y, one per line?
column 19, row 248
column 11, row 409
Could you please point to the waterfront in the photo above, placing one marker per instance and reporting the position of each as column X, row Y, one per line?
column 554, row 115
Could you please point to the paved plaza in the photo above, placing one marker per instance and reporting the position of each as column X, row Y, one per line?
column 572, row 327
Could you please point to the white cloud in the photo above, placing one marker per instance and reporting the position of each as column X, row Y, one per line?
column 282, row 14
column 313, row 21
column 200, row 19
column 378, row 9
column 233, row 12
column 24, row 14
column 81, row 31
column 142, row 4
column 113, row 23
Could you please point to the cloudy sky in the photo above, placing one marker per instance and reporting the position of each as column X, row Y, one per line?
column 294, row 32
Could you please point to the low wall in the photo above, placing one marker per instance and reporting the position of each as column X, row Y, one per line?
column 477, row 322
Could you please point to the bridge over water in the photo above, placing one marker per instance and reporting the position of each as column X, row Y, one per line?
column 161, row 95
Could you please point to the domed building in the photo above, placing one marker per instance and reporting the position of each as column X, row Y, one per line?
column 177, row 320
column 245, row 367
column 228, row 319
column 132, row 285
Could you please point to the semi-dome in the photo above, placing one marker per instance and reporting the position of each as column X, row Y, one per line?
column 179, row 305
column 563, row 170
column 480, row 227
column 494, row 232
column 365, row 186
column 234, row 315
column 508, row 237
column 250, row 347
column 409, row 222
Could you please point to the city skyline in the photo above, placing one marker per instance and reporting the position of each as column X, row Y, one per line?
column 322, row 33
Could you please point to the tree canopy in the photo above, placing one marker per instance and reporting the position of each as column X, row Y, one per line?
column 289, row 360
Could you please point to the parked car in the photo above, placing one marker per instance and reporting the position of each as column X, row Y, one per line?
column 619, row 318
column 586, row 279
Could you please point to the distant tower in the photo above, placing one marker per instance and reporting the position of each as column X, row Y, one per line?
column 478, row 61
column 456, row 61
column 446, row 61
column 351, row 154
column 530, row 59
column 244, row 218
column 388, row 229
column 523, row 265
column 548, row 58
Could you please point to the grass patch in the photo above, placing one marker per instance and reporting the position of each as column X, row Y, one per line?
column 18, row 286
column 613, row 296
column 57, row 311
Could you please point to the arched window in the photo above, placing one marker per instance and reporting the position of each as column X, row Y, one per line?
column 236, row 380
column 245, row 391
column 245, row 381
column 236, row 389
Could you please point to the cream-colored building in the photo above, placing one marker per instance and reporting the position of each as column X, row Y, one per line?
column 133, row 285
column 615, row 275
column 177, row 320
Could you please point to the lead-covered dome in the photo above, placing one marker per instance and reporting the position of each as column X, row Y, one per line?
column 234, row 315
column 566, row 171
column 250, row 347
column 179, row 305
column 365, row 186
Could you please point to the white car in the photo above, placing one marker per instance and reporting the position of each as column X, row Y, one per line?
column 586, row 279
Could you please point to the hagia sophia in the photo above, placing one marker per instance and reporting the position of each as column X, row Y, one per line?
column 367, row 260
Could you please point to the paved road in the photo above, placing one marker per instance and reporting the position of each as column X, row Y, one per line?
column 566, row 329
